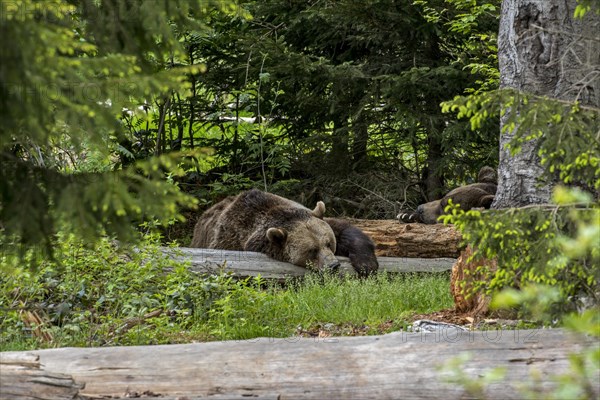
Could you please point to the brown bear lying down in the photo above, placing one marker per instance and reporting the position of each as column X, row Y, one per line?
column 480, row 194
column 282, row 229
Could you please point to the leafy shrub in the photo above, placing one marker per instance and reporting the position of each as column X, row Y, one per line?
column 111, row 295
column 92, row 296
column 552, row 245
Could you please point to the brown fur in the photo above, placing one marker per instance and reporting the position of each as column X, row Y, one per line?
column 480, row 194
column 270, row 224
column 354, row 244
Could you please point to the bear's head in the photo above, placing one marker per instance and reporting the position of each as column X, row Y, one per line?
column 303, row 239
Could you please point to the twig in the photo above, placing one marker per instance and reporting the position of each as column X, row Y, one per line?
column 374, row 194
column 132, row 322
column 405, row 190
column 552, row 207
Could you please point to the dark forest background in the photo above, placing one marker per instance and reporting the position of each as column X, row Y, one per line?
column 337, row 101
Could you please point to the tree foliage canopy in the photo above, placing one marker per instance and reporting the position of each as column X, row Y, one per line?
column 331, row 99
column 68, row 73
column 349, row 94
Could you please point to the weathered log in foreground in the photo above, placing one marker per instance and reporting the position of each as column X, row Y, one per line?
column 395, row 239
column 393, row 366
column 21, row 377
column 246, row 263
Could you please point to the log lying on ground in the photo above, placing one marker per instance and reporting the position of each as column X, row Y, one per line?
column 395, row 239
column 21, row 377
column 246, row 263
column 392, row 366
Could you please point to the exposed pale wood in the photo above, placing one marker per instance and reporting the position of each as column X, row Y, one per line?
column 20, row 359
column 21, row 378
column 396, row 239
column 152, row 395
column 393, row 366
column 246, row 263
column 32, row 320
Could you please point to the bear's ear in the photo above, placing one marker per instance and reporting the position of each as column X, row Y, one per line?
column 276, row 235
column 487, row 175
column 319, row 210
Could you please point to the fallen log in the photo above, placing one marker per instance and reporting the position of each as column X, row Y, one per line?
column 394, row 366
column 247, row 263
column 21, row 377
column 396, row 239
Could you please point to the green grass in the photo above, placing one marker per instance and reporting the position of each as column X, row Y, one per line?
column 89, row 298
column 370, row 306
column 340, row 300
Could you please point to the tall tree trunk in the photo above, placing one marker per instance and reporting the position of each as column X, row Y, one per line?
column 542, row 50
column 339, row 160
column 359, row 144
column 433, row 171
column 160, row 133
column 192, row 99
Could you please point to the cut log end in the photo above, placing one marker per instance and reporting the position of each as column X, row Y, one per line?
column 465, row 272
column 23, row 378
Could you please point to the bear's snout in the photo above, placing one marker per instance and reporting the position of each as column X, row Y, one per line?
column 334, row 266
column 327, row 261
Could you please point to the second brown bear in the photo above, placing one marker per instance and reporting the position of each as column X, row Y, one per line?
column 480, row 194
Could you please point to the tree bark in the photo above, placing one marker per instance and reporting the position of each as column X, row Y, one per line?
column 465, row 273
column 160, row 133
column 542, row 50
column 395, row 239
column 433, row 179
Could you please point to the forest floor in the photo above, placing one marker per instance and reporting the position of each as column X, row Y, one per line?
column 446, row 316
